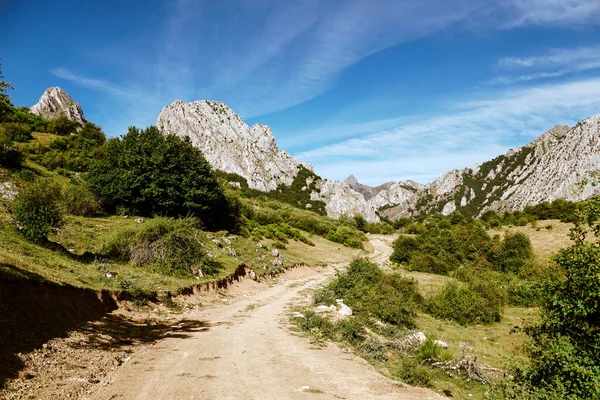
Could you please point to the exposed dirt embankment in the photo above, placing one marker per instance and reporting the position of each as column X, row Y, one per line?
column 32, row 312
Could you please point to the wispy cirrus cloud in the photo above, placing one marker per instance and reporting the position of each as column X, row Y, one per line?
column 476, row 131
column 553, row 64
column 555, row 12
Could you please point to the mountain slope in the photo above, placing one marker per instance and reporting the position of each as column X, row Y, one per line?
column 561, row 163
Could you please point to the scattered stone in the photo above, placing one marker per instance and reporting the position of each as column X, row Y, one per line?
column 441, row 343
column 139, row 220
column 8, row 191
column 111, row 274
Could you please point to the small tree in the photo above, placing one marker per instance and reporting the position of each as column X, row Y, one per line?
column 37, row 209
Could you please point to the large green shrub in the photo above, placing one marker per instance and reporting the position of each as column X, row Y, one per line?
column 404, row 247
column 37, row 209
column 10, row 155
column 19, row 132
column 465, row 304
column 514, row 252
column 80, row 200
column 149, row 173
column 168, row 246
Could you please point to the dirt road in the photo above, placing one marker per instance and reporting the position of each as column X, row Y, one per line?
column 248, row 350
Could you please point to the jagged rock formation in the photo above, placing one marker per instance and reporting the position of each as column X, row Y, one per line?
column 368, row 192
column 55, row 102
column 340, row 199
column 229, row 144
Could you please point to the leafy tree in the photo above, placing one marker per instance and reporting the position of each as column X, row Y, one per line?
column 93, row 134
column 37, row 209
column 149, row 173
column 565, row 346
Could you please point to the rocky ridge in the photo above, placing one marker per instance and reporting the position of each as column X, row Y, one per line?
column 55, row 102
column 229, row 144
column 562, row 163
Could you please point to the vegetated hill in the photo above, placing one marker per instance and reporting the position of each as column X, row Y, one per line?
column 561, row 164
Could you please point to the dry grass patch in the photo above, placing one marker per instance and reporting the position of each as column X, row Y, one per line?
column 545, row 242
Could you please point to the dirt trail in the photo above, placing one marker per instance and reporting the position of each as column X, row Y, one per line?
column 250, row 352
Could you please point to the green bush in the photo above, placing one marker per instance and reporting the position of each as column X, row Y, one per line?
column 564, row 350
column 415, row 228
column 464, row 305
column 62, row 126
column 523, row 293
column 429, row 351
column 514, row 253
column 79, row 199
column 324, row 296
column 428, row 263
column 373, row 348
column 10, row 155
column 369, row 292
column 16, row 131
column 37, row 209
column 404, row 247
column 170, row 247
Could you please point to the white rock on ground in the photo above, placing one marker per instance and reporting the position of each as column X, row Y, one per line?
column 343, row 310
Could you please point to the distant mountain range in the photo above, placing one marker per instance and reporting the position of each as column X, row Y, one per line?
column 561, row 163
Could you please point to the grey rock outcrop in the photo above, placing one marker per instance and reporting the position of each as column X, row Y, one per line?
column 229, row 144
column 340, row 199
column 55, row 102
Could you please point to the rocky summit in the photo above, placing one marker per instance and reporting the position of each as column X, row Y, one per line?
column 55, row 102
column 229, row 144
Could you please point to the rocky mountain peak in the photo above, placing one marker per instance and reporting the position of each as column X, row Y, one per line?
column 229, row 144
column 55, row 102
column 351, row 181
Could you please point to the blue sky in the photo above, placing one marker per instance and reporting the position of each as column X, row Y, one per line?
column 382, row 89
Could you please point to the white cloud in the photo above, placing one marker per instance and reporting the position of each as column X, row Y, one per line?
column 576, row 59
column 553, row 64
column 553, row 12
column 475, row 132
